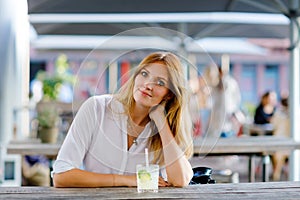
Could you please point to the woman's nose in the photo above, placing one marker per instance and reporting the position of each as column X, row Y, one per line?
column 149, row 84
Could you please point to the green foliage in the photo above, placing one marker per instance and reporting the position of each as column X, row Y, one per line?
column 48, row 117
column 51, row 87
column 52, row 82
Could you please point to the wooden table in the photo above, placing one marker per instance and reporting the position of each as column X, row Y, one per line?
column 244, row 145
column 260, row 129
column 50, row 150
column 202, row 146
column 260, row 190
column 263, row 146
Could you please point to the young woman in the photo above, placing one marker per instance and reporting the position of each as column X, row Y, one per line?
column 109, row 134
column 266, row 108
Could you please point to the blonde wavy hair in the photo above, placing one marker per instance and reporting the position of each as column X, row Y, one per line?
column 177, row 111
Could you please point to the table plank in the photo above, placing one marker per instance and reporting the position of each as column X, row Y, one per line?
column 33, row 149
column 267, row 191
column 240, row 145
column 235, row 145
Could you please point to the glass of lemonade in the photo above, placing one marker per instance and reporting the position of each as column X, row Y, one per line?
column 147, row 178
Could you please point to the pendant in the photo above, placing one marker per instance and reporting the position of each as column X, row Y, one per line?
column 135, row 141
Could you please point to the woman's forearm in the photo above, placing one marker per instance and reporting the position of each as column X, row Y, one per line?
column 179, row 170
column 81, row 178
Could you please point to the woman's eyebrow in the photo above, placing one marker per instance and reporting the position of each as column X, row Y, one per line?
column 163, row 78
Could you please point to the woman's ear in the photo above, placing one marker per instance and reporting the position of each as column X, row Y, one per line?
column 165, row 99
column 168, row 96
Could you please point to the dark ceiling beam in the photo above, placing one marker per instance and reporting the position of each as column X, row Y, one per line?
column 260, row 5
column 50, row 28
column 126, row 6
column 38, row 5
column 209, row 30
column 281, row 6
column 230, row 5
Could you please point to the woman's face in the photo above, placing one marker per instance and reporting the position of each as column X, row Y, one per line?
column 151, row 85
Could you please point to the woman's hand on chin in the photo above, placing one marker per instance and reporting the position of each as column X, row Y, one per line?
column 157, row 112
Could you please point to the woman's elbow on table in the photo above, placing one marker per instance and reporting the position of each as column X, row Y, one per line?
column 67, row 179
column 58, row 181
column 183, row 181
column 74, row 178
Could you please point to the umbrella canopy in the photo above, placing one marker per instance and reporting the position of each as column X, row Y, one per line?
column 197, row 19
column 82, row 24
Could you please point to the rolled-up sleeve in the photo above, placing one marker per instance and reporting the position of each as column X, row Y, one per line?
column 78, row 139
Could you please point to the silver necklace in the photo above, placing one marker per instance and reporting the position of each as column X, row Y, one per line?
column 132, row 128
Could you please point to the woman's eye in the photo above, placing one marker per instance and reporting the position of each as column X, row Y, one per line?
column 143, row 73
column 160, row 83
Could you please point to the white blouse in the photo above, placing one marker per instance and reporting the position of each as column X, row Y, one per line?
column 97, row 140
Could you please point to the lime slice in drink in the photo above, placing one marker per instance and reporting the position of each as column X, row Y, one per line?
column 144, row 175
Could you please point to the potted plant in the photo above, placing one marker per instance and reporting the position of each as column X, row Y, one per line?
column 50, row 106
column 48, row 122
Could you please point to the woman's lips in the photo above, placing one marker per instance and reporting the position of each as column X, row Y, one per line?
column 145, row 93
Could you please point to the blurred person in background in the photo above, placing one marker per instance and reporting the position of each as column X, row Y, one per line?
column 266, row 108
column 198, row 105
column 226, row 117
column 281, row 125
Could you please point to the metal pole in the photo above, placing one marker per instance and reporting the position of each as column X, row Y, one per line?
column 294, row 96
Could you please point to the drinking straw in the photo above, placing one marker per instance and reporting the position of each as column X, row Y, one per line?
column 146, row 157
